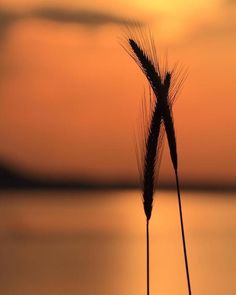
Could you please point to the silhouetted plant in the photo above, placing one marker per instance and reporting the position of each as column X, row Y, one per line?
column 165, row 85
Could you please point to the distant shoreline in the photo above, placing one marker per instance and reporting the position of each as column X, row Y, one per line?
column 13, row 179
column 105, row 187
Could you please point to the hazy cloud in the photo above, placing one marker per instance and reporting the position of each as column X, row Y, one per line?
column 87, row 18
column 82, row 17
column 7, row 18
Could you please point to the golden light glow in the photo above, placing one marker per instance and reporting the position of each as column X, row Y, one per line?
column 70, row 94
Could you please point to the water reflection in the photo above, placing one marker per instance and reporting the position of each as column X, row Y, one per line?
column 94, row 243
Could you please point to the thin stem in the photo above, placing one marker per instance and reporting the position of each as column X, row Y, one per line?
column 147, row 232
column 183, row 236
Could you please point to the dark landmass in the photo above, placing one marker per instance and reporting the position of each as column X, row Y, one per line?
column 12, row 178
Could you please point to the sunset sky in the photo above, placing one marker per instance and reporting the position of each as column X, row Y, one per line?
column 70, row 95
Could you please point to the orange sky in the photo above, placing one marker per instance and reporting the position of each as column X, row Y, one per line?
column 70, row 95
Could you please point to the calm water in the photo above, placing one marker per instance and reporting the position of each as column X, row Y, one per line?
column 94, row 244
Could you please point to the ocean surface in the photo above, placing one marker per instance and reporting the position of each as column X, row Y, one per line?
column 93, row 243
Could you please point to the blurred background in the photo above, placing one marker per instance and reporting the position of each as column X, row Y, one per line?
column 71, row 213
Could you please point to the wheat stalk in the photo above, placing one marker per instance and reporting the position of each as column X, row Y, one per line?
column 165, row 85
